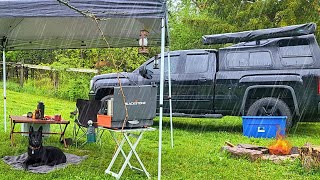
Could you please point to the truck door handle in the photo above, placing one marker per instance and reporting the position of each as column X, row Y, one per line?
column 202, row 79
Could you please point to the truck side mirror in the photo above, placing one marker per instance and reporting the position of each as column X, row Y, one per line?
column 146, row 73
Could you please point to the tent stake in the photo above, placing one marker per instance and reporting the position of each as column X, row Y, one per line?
column 4, row 89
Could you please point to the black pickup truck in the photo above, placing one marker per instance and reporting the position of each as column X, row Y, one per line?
column 265, row 74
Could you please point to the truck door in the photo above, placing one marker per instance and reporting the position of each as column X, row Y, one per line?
column 175, row 70
column 194, row 91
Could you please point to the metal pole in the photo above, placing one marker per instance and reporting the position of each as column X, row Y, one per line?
column 169, row 78
column 170, row 101
column 161, row 95
column 4, row 89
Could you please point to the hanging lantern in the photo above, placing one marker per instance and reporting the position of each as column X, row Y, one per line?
column 143, row 42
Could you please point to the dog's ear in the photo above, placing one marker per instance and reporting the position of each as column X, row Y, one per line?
column 40, row 129
column 31, row 129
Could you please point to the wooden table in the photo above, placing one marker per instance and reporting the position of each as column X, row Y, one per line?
column 24, row 119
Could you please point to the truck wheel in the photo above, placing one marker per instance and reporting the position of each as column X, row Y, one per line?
column 271, row 107
column 104, row 104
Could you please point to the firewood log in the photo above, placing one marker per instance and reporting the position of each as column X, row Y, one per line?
column 229, row 144
column 242, row 152
column 310, row 156
column 264, row 150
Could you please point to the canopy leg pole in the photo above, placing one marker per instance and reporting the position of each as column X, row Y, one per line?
column 170, row 101
column 4, row 89
column 161, row 95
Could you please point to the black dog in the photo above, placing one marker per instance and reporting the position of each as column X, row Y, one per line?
column 42, row 155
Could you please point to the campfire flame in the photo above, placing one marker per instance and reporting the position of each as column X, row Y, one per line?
column 280, row 146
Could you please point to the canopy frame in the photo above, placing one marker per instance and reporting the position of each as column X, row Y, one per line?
column 19, row 15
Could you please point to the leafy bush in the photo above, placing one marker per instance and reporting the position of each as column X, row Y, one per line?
column 71, row 86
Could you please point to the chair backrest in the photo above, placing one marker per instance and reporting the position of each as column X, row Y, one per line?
column 88, row 110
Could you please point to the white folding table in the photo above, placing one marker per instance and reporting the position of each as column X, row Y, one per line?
column 136, row 133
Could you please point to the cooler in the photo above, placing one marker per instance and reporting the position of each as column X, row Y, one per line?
column 263, row 126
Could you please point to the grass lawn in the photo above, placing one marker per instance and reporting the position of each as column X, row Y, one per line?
column 196, row 154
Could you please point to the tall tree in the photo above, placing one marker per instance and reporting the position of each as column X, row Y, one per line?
column 200, row 17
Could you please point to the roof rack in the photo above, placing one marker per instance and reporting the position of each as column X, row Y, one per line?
column 256, row 35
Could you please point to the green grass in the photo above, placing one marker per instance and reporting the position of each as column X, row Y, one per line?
column 196, row 153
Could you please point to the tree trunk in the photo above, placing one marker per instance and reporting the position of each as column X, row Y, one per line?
column 21, row 75
column 56, row 80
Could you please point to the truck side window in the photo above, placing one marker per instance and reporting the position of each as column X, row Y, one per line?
column 174, row 65
column 196, row 63
column 174, row 62
column 295, row 52
column 260, row 59
column 150, row 67
column 249, row 59
column 237, row 59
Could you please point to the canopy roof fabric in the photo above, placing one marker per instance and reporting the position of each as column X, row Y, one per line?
column 287, row 31
column 49, row 24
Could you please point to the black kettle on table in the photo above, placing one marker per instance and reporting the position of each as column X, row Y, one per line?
column 40, row 108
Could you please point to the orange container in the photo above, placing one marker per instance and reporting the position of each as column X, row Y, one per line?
column 104, row 120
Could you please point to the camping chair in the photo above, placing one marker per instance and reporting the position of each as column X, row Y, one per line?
column 86, row 110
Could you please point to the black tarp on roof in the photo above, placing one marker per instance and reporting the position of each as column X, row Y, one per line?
column 288, row 31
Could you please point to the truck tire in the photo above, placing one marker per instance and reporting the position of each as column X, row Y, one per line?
column 104, row 104
column 271, row 107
